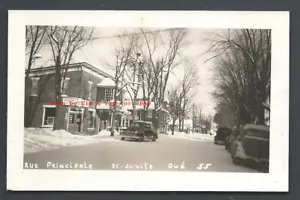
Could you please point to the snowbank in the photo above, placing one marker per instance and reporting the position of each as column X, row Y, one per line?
column 39, row 139
column 191, row 136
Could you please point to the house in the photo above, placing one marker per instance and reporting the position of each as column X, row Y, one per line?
column 87, row 100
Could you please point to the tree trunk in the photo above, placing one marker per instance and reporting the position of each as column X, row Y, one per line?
column 58, row 99
column 114, row 110
column 28, row 104
column 173, row 126
column 180, row 124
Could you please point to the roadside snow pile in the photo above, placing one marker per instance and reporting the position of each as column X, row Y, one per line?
column 39, row 139
column 191, row 136
column 199, row 136
column 177, row 134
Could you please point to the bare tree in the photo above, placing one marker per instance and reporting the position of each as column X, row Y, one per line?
column 35, row 39
column 161, row 66
column 64, row 42
column 174, row 105
column 189, row 80
column 242, row 71
column 125, row 57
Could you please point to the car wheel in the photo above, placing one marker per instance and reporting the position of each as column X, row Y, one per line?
column 154, row 138
column 232, row 153
column 235, row 160
column 141, row 139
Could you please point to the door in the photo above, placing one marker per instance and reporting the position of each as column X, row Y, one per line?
column 75, row 122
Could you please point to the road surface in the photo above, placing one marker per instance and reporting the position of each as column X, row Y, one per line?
column 167, row 153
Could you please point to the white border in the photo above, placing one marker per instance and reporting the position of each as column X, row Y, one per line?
column 276, row 180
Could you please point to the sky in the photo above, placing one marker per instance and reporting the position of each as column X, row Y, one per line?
column 100, row 52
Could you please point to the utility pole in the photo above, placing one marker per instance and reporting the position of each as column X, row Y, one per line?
column 193, row 118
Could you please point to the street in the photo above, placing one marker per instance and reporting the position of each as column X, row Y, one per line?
column 167, row 153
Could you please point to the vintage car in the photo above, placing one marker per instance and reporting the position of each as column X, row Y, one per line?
column 252, row 146
column 140, row 130
column 222, row 133
column 232, row 137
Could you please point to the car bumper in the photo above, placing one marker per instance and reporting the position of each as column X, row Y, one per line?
column 241, row 155
column 219, row 142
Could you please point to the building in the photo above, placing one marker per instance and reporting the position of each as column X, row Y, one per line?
column 87, row 100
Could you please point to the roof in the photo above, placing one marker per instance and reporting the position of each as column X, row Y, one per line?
column 140, row 121
column 73, row 65
column 257, row 127
column 106, row 82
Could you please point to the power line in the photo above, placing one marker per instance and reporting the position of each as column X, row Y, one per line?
column 122, row 35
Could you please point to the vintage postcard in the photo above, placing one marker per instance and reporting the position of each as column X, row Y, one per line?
column 148, row 101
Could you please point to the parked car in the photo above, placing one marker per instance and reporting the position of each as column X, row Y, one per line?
column 252, row 146
column 222, row 133
column 229, row 139
column 140, row 130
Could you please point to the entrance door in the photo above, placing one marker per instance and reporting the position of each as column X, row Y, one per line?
column 75, row 122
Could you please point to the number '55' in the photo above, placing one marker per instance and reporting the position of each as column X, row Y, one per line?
column 203, row 166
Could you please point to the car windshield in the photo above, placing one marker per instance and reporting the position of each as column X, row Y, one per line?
column 223, row 131
column 258, row 133
column 136, row 125
column 148, row 125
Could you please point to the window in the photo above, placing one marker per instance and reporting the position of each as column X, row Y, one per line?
column 64, row 86
column 105, row 94
column 267, row 117
column 90, row 90
column 71, row 118
column 108, row 94
column 34, row 86
column 258, row 133
column 101, row 94
column 149, row 112
column 92, row 119
column 49, row 116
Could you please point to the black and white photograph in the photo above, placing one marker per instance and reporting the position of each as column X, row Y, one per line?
column 139, row 99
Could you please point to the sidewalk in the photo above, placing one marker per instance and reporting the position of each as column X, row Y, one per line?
column 40, row 139
column 191, row 136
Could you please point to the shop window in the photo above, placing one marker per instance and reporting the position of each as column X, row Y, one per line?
column 49, row 116
column 71, row 118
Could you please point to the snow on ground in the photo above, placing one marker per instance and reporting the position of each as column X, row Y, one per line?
column 191, row 136
column 39, row 139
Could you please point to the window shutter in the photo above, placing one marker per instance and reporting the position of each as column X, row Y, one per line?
column 90, row 90
column 64, row 86
column 34, row 86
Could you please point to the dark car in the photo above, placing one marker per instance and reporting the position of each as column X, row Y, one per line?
column 252, row 146
column 229, row 139
column 222, row 133
column 140, row 130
